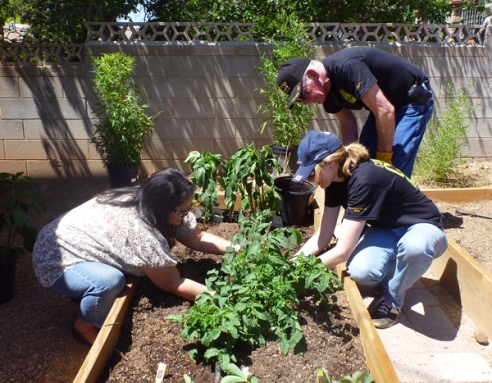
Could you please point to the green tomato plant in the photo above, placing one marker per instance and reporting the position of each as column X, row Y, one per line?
column 205, row 167
column 256, row 294
column 248, row 174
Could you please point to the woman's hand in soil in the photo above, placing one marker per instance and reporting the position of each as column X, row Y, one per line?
column 169, row 279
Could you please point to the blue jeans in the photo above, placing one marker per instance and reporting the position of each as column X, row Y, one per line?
column 411, row 122
column 96, row 285
column 395, row 258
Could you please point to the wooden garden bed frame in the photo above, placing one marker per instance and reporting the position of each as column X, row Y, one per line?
column 456, row 270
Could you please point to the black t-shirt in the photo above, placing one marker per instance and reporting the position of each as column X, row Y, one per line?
column 383, row 196
column 353, row 71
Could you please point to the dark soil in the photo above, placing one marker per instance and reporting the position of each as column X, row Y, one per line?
column 147, row 338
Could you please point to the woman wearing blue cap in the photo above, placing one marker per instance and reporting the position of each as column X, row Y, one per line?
column 390, row 233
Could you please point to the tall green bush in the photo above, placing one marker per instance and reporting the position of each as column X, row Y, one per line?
column 288, row 126
column 440, row 151
column 123, row 124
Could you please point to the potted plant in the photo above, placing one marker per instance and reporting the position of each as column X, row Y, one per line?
column 18, row 194
column 123, row 124
column 288, row 126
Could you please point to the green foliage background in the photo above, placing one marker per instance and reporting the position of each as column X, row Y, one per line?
column 57, row 21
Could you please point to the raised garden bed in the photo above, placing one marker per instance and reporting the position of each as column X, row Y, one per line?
column 35, row 325
column 455, row 268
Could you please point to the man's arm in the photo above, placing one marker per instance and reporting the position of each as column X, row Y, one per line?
column 384, row 113
column 348, row 126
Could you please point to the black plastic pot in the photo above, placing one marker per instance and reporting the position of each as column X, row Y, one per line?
column 286, row 158
column 7, row 281
column 296, row 200
column 122, row 176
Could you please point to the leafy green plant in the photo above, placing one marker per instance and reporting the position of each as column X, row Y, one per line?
column 439, row 153
column 288, row 126
column 248, row 174
column 123, row 124
column 234, row 375
column 357, row 377
column 205, row 167
column 18, row 194
column 256, row 293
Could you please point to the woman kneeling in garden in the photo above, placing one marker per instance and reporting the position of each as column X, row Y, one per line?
column 86, row 253
column 390, row 233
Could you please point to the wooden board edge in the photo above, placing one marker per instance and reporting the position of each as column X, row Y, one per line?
column 377, row 358
column 458, row 194
column 107, row 338
column 467, row 282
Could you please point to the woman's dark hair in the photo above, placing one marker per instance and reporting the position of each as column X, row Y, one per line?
column 158, row 195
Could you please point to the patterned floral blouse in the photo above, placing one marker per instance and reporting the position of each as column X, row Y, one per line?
column 109, row 234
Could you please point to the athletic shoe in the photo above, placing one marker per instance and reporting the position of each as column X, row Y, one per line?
column 384, row 315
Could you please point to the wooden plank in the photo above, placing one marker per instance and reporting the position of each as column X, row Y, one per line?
column 377, row 358
column 107, row 338
column 458, row 194
column 468, row 282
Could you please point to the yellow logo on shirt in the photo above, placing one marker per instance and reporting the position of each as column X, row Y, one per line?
column 356, row 210
column 348, row 97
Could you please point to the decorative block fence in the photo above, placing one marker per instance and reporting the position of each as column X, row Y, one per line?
column 201, row 79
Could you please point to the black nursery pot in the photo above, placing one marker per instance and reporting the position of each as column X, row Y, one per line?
column 296, row 197
column 122, row 176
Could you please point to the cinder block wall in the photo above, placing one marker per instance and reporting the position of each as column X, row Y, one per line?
column 206, row 98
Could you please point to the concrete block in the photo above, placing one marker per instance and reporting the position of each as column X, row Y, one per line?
column 38, row 150
column 228, row 147
column 158, row 149
column 13, row 166
column 235, row 108
column 477, row 148
column 177, row 164
column 58, row 129
column 199, row 107
column 9, row 87
column 249, row 129
column 93, row 154
column 66, row 169
column 213, row 49
column 214, row 128
column 43, row 108
column 161, row 107
column 182, row 148
column 171, row 128
column 248, row 87
column 484, row 128
column 11, row 130
column 40, row 87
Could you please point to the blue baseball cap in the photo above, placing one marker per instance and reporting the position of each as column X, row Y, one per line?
column 313, row 148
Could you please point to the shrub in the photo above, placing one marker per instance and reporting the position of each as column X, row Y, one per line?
column 439, row 153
